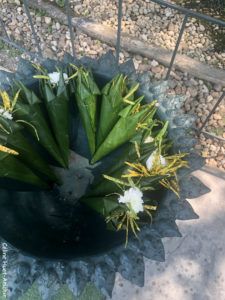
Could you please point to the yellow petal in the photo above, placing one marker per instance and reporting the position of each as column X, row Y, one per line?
column 6, row 100
column 41, row 77
column 75, row 67
column 15, row 100
column 8, row 150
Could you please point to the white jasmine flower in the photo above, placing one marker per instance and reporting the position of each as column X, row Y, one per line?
column 133, row 196
column 6, row 114
column 1, row 110
column 153, row 157
column 55, row 76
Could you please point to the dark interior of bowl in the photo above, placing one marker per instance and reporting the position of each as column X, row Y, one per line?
column 53, row 224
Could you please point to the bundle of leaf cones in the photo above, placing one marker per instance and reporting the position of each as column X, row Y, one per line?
column 112, row 117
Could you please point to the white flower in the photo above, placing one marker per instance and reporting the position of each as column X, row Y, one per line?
column 55, row 76
column 6, row 114
column 153, row 157
column 133, row 196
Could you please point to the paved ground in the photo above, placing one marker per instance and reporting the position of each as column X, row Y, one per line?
column 195, row 264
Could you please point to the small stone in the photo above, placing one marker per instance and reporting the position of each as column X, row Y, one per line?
column 171, row 27
column 156, row 70
column 144, row 37
column 136, row 64
column 172, row 83
column 193, row 92
column 154, row 63
column 212, row 162
column 92, row 52
column 168, row 12
column 213, row 148
column 218, row 87
column 220, row 123
column 144, row 67
column 121, row 55
column 61, row 42
column 193, row 82
column 219, row 158
column 201, row 28
column 210, row 98
column 48, row 53
column 205, row 89
column 57, row 25
column 48, row 20
column 217, row 117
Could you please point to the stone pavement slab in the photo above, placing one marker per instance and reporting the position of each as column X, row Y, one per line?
column 195, row 264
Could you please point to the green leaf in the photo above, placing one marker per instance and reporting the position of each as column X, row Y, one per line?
column 121, row 133
column 86, row 99
column 29, row 95
column 12, row 168
column 58, row 115
column 27, row 153
column 111, row 105
column 102, row 205
column 32, row 114
column 47, row 91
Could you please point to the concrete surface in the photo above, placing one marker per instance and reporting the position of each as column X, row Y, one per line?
column 195, row 264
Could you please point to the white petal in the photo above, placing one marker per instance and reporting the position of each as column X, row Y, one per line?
column 54, row 77
column 134, row 197
column 7, row 115
column 65, row 77
column 150, row 160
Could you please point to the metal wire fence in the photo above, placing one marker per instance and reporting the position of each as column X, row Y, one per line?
column 187, row 14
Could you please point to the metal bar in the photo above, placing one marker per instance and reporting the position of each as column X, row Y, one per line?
column 4, row 29
column 119, row 31
column 212, row 111
column 32, row 27
column 190, row 12
column 22, row 49
column 213, row 136
column 177, row 46
column 70, row 26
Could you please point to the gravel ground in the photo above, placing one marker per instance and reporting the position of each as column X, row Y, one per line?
column 148, row 22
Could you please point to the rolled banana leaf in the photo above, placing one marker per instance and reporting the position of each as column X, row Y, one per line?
column 113, row 95
column 124, row 129
column 86, row 98
column 102, row 205
column 56, row 101
column 28, row 109
column 13, row 168
column 27, row 153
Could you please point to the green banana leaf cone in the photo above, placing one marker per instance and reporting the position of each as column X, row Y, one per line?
column 56, row 102
column 86, row 98
column 28, row 109
column 13, row 168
